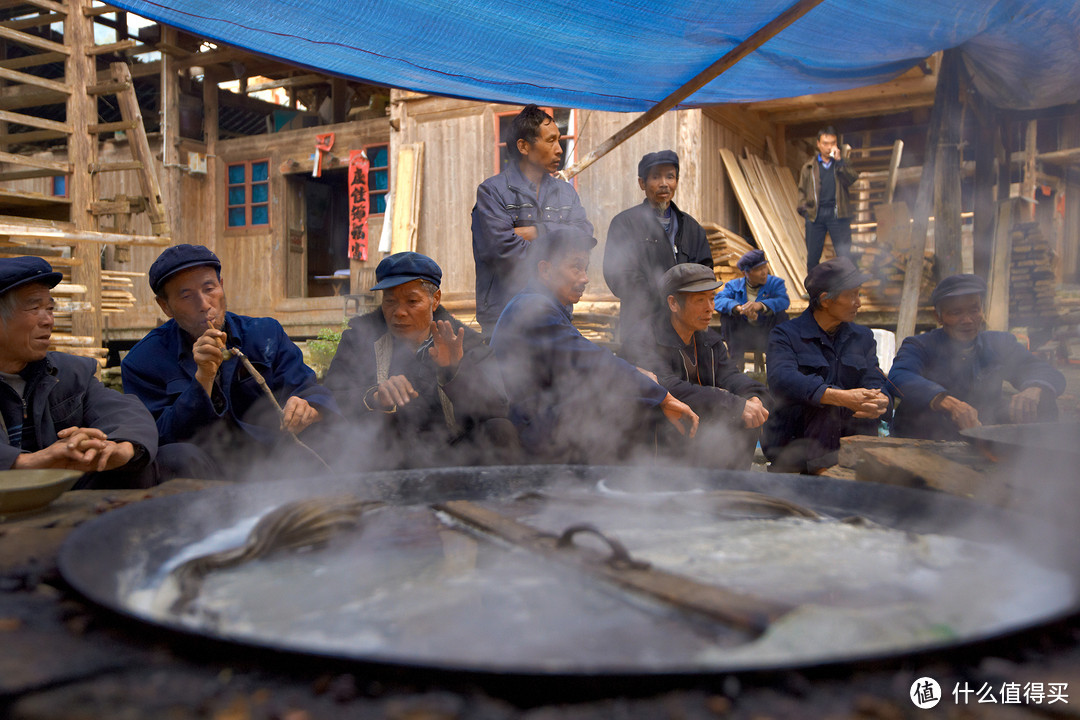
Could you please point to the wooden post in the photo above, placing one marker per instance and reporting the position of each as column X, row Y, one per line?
column 947, row 175
column 82, row 151
column 1029, row 181
column 699, row 81
column 894, row 167
column 909, row 299
column 985, row 175
column 339, row 95
column 211, row 133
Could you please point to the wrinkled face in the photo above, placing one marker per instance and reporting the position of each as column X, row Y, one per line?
column 545, row 151
column 660, row 184
column 961, row 316
column 409, row 310
column 24, row 337
column 843, row 306
column 757, row 276
column 567, row 276
column 195, row 298
column 825, row 145
column 695, row 311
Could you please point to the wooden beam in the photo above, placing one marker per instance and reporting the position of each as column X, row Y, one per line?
column 1030, row 177
column 82, row 236
column 32, row 40
column 947, row 177
column 17, row 97
column 290, row 82
column 33, row 121
column 32, row 60
column 909, row 298
column 107, row 88
column 115, row 47
column 47, row 5
column 100, row 167
column 28, row 79
column 28, row 161
column 997, row 300
column 1070, row 156
column 33, row 136
column 122, row 126
column 982, row 239
column 707, row 75
column 212, row 57
column 7, row 175
column 35, row 21
column 100, row 10
column 894, row 167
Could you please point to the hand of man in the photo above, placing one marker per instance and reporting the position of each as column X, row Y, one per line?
column 754, row 413
column 82, row 449
column 677, row 412
column 751, row 312
column 208, row 357
column 964, row 415
column 872, row 404
column 1024, row 407
column 447, row 348
column 395, row 391
column 646, row 373
column 526, row 232
column 298, row 413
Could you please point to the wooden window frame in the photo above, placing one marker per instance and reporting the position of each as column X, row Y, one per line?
column 248, row 184
column 571, row 144
column 371, row 169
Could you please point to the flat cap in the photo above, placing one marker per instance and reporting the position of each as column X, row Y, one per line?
column 18, row 271
column 833, row 276
column 180, row 257
column 556, row 243
column 751, row 260
column 651, row 160
column 688, row 277
column 403, row 267
column 964, row 284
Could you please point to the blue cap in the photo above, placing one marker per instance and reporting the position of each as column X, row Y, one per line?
column 403, row 267
column 18, row 271
column 954, row 285
column 177, row 258
column 651, row 160
column 751, row 260
column 833, row 276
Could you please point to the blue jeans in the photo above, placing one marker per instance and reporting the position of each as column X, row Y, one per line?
column 839, row 229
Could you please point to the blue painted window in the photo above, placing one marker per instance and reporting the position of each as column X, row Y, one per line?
column 378, row 177
column 249, row 194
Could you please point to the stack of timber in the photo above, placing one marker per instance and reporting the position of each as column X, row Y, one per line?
column 768, row 196
column 1031, row 276
column 726, row 248
column 888, row 265
column 597, row 319
column 116, row 286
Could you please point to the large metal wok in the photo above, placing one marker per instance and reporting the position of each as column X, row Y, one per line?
column 534, row 616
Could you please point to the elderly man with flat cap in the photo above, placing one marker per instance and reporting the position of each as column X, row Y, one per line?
column 823, row 371
column 572, row 400
column 751, row 306
column 692, row 362
column 424, row 386
column 55, row 413
column 646, row 240
column 199, row 392
column 952, row 378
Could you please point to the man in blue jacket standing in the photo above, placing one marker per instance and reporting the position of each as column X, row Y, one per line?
column 952, row 378
column 517, row 206
column 194, row 389
column 751, row 306
column 824, row 374
column 572, row 400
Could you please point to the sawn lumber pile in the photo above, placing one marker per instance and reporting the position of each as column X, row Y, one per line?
column 726, row 248
column 1031, row 276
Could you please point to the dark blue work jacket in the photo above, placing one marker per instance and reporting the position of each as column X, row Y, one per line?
column 62, row 392
column 801, row 434
column 565, row 392
column 504, row 202
column 160, row 370
column 930, row 364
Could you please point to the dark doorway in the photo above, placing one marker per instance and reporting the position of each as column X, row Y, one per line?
column 326, row 203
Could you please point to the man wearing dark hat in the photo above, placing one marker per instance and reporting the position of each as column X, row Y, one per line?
column 824, row 374
column 572, row 400
column 751, row 306
column 952, row 378
column 823, row 198
column 520, row 204
column 193, row 388
column 646, row 240
column 55, row 413
column 424, row 385
column 692, row 362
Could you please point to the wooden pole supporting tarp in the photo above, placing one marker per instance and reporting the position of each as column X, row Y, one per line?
column 699, row 81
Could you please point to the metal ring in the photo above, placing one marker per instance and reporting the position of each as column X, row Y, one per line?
column 619, row 558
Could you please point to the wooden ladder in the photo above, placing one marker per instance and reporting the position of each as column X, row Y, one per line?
column 876, row 185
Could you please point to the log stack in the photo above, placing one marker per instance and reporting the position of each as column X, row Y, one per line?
column 726, row 247
column 1031, row 276
column 888, row 266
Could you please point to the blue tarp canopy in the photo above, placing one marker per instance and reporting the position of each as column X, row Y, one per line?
column 630, row 54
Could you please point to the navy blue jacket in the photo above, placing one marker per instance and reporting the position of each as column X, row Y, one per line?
column 723, row 388
column 930, row 364
column 62, row 392
column 565, row 392
column 802, row 362
column 638, row 253
column 504, row 202
column 160, row 370
column 773, row 295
